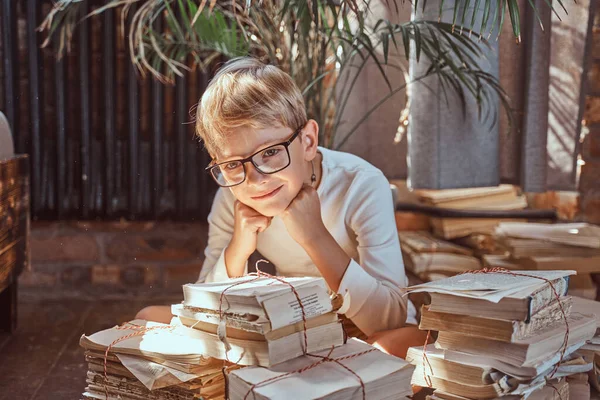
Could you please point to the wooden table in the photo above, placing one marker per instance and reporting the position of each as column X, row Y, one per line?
column 14, row 234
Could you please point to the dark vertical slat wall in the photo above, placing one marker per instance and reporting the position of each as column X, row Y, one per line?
column 10, row 65
column 133, row 103
column 204, row 159
column 158, row 97
column 109, row 107
column 83, row 165
column 86, row 115
column 35, row 100
column 182, row 140
column 60, row 82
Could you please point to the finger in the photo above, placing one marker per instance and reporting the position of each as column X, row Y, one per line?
column 258, row 223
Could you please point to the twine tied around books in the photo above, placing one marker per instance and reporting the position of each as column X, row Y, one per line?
column 137, row 331
column 499, row 270
column 321, row 359
column 222, row 331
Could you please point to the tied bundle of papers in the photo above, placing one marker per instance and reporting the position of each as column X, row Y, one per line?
column 148, row 360
column 501, row 333
column 259, row 321
column 352, row 371
column 431, row 258
column 503, row 197
column 554, row 247
column 591, row 350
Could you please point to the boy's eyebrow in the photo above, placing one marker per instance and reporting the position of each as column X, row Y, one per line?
column 257, row 149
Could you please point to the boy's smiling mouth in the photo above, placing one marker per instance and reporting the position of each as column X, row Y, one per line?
column 267, row 195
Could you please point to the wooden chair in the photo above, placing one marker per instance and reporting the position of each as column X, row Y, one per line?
column 14, row 225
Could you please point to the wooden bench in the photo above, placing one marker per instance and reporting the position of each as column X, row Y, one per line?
column 14, row 234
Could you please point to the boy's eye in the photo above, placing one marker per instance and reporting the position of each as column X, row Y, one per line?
column 271, row 152
column 233, row 165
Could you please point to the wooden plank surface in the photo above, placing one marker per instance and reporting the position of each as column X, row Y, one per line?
column 43, row 360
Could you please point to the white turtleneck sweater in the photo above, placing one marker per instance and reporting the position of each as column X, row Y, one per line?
column 357, row 209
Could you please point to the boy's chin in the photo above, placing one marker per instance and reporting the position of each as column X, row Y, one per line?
column 272, row 210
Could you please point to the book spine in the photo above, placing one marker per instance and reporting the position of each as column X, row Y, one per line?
column 546, row 296
column 542, row 320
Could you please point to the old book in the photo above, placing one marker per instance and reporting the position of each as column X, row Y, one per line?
column 496, row 295
column 495, row 198
column 586, row 306
column 452, row 228
column 183, row 367
column 500, row 261
column 519, row 248
column 185, row 345
column 121, row 376
column 496, row 329
column 265, row 298
column 247, row 330
column 551, row 391
column 485, row 391
column 425, row 242
column 581, row 264
column 481, row 244
column 573, row 234
column 423, row 263
column 119, row 387
column 468, row 196
column 523, row 352
column 436, row 365
column 481, row 370
column 522, row 372
column 384, row 376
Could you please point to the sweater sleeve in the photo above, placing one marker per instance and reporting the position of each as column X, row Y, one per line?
column 220, row 230
column 371, row 287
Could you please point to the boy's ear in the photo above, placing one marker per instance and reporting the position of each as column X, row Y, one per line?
column 310, row 139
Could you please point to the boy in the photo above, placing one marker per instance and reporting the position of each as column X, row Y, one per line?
column 309, row 210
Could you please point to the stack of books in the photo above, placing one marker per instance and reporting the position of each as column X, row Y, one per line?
column 498, row 198
column 431, row 258
column 257, row 321
column 265, row 336
column 482, row 244
column 147, row 360
column 381, row 376
column 554, row 247
column 500, row 334
column 591, row 350
column 289, row 348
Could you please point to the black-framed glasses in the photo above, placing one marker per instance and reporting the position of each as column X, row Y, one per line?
column 267, row 161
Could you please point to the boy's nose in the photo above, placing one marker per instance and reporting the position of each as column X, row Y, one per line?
column 253, row 175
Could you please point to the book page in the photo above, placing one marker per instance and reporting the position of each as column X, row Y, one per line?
column 153, row 375
column 166, row 340
column 285, row 310
column 585, row 306
column 326, row 378
column 250, row 286
column 489, row 286
column 574, row 234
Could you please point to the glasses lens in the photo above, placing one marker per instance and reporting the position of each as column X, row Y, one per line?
column 272, row 159
column 229, row 174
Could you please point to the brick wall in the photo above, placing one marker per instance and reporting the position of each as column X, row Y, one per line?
column 112, row 258
column 589, row 184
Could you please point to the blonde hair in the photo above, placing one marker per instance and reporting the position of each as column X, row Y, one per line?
column 247, row 93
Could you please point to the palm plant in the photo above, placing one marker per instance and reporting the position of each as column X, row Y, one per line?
column 322, row 44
